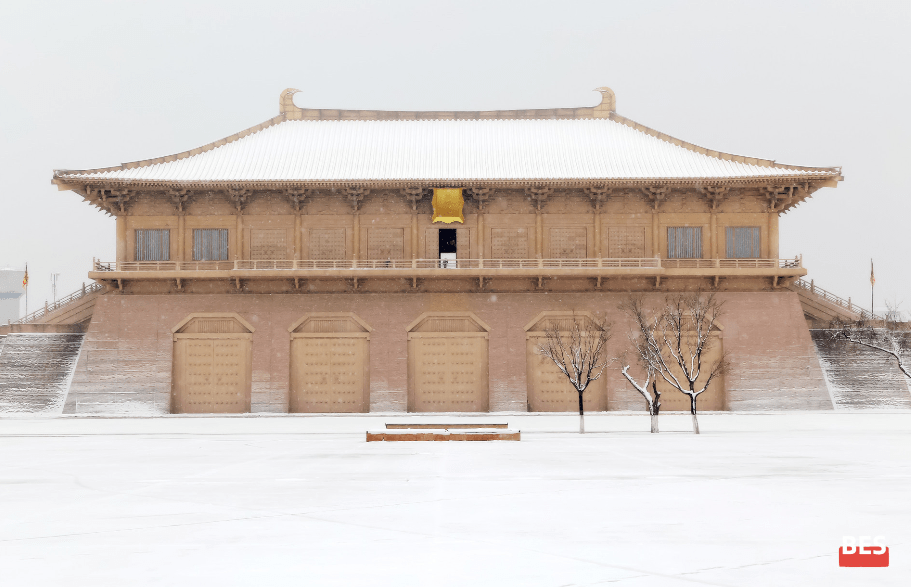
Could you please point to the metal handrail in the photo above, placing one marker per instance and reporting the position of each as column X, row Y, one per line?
column 349, row 264
column 835, row 300
column 64, row 301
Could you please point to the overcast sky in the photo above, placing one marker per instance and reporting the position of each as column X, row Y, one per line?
column 93, row 84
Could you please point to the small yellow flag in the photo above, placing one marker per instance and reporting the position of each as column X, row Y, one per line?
column 447, row 205
column 25, row 277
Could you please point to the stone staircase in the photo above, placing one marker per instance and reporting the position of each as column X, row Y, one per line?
column 859, row 377
column 822, row 307
column 35, row 372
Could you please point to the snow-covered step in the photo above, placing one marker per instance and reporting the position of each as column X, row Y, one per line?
column 395, row 426
column 427, row 434
column 35, row 372
column 859, row 377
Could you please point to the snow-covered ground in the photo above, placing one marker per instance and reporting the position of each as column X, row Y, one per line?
column 758, row 500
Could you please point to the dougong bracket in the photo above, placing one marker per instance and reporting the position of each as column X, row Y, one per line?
column 239, row 197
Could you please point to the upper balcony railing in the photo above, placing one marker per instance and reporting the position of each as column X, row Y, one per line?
column 430, row 264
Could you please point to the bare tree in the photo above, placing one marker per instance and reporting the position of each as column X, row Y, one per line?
column 893, row 338
column 644, row 343
column 579, row 353
column 686, row 326
column 676, row 341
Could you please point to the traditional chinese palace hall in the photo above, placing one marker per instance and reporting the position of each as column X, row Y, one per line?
column 390, row 261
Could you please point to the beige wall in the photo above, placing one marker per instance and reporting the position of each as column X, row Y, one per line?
column 505, row 209
column 125, row 362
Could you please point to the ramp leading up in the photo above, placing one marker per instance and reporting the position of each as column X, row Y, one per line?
column 822, row 307
column 35, row 372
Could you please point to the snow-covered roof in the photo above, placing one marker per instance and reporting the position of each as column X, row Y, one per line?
column 447, row 150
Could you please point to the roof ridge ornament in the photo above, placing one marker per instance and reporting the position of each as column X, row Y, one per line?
column 608, row 102
column 286, row 102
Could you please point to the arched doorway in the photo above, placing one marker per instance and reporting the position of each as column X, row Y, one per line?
column 212, row 365
column 330, row 363
column 448, row 363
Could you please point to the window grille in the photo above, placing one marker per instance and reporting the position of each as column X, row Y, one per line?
column 327, row 243
column 626, row 241
column 509, row 243
column 568, row 243
column 268, row 244
column 743, row 242
column 684, row 242
column 153, row 244
column 210, row 244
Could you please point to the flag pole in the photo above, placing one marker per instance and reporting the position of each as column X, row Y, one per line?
column 25, row 285
column 872, row 284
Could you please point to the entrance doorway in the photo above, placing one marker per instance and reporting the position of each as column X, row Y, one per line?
column 448, row 363
column 212, row 364
column 448, row 244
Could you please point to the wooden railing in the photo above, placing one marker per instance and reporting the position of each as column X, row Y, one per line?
column 64, row 301
column 835, row 300
column 731, row 263
column 349, row 264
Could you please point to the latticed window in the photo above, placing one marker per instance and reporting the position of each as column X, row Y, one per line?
column 743, row 242
column 684, row 242
column 153, row 244
column 210, row 244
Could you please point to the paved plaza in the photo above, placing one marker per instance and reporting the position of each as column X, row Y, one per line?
column 756, row 500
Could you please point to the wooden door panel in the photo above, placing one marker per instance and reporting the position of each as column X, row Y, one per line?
column 211, row 376
column 450, row 374
column 328, row 374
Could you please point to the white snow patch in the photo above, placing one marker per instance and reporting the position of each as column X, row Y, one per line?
column 756, row 500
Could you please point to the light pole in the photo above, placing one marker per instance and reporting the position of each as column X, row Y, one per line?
column 54, row 277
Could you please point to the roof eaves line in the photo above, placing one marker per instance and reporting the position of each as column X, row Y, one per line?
column 63, row 173
column 782, row 179
column 713, row 153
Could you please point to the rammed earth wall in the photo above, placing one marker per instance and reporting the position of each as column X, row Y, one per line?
column 126, row 360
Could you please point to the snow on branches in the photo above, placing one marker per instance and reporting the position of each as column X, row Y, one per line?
column 578, row 353
column 893, row 339
column 673, row 343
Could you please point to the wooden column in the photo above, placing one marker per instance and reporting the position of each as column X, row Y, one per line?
column 414, row 195
column 121, row 238
column 239, row 237
column 239, row 197
column 297, row 198
column 181, row 229
column 539, row 196
column 179, row 198
column 355, row 195
column 655, row 195
column 480, row 196
column 713, row 235
column 597, row 216
column 356, row 237
column 414, row 234
column 773, row 235
column 715, row 195
column 297, row 237
column 598, row 196
column 480, row 237
column 656, row 242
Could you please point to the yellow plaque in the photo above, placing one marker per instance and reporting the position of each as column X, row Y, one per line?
column 447, row 205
